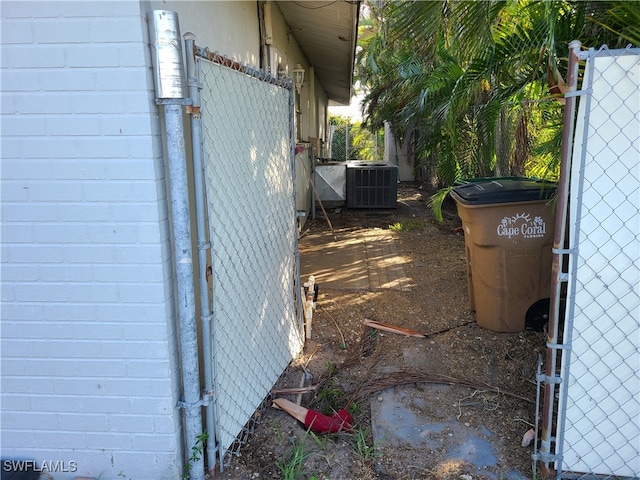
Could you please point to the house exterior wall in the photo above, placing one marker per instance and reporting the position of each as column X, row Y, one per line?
column 90, row 370
column 229, row 27
column 89, row 382
column 287, row 51
column 216, row 26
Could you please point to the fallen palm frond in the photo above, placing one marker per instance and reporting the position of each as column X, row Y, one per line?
column 405, row 377
column 365, row 348
column 377, row 382
column 294, row 391
column 343, row 345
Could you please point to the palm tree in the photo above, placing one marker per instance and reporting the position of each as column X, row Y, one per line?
column 478, row 82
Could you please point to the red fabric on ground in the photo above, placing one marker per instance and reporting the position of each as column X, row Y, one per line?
column 319, row 423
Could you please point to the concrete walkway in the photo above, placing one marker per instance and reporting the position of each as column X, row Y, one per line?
column 363, row 260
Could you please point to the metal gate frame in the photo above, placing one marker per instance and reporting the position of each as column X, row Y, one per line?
column 285, row 339
column 609, row 447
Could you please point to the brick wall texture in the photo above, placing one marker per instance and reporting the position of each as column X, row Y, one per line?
column 88, row 340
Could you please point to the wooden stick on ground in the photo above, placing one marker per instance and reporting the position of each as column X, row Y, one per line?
column 405, row 331
column 393, row 328
column 317, row 195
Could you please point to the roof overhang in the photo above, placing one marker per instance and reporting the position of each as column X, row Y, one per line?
column 326, row 31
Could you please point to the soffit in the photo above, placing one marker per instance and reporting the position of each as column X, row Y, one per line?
column 326, row 31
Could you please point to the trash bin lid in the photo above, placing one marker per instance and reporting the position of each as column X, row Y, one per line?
column 504, row 190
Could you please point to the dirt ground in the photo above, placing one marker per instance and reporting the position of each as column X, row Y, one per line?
column 461, row 375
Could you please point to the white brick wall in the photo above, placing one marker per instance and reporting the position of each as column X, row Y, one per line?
column 88, row 367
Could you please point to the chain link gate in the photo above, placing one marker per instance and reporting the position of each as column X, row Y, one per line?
column 248, row 149
column 353, row 142
column 591, row 417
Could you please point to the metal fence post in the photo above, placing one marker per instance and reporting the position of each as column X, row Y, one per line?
column 590, row 423
column 203, row 246
column 557, row 276
column 346, row 143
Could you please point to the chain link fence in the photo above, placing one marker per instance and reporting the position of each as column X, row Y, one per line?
column 256, row 324
column 592, row 395
column 354, row 142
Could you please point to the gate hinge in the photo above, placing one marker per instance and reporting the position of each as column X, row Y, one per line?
column 545, row 457
column 205, row 245
column 558, row 346
column 564, row 251
column 556, row 379
column 577, row 93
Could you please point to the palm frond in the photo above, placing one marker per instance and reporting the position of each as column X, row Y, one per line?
column 436, row 200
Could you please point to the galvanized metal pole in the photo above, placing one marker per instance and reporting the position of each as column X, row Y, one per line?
column 206, row 315
column 183, row 258
column 167, row 59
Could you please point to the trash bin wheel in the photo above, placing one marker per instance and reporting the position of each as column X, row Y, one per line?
column 538, row 315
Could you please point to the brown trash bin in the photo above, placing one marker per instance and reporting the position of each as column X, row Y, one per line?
column 508, row 231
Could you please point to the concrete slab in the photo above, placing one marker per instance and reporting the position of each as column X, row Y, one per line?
column 363, row 260
column 409, row 417
column 419, row 419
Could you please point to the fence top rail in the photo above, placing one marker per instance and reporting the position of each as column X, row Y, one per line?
column 204, row 52
column 604, row 51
